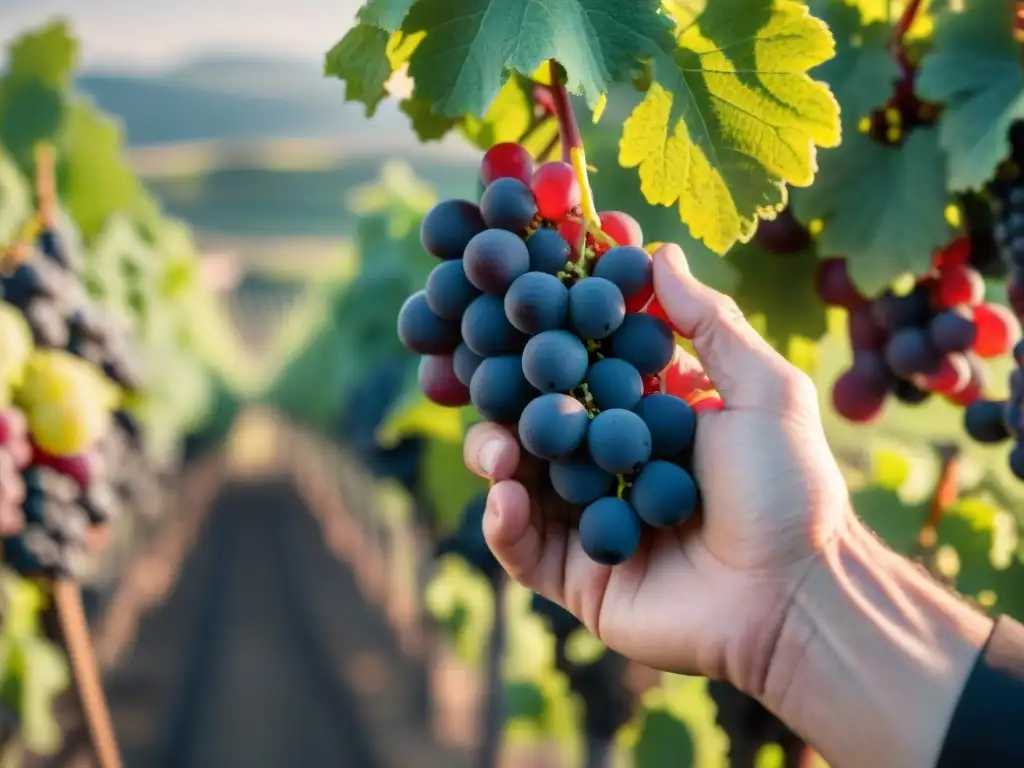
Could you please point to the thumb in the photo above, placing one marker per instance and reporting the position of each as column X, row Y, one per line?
column 744, row 368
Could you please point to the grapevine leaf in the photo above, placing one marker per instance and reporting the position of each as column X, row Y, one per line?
column 863, row 72
column 883, row 506
column 510, row 117
column 664, row 741
column 882, row 208
column 470, row 44
column 525, row 701
column 733, row 116
column 15, row 201
column 48, row 55
column 94, row 175
column 618, row 188
column 360, row 59
column 418, row 416
column 972, row 527
column 781, row 290
column 46, row 675
column 426, row 123
column 447, row 485
column 975, row 70
column 385, row 14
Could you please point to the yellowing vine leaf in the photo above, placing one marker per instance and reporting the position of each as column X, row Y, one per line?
column 733, row 116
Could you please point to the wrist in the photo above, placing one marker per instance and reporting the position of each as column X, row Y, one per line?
column 872, row 655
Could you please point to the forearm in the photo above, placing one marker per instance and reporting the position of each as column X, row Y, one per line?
column 872, row 657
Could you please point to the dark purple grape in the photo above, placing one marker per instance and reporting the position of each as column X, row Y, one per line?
column 663, row 494
column 555, row 361
column 834, row 287
column 422, row 331
column 449, row 226
column 537, row 302
column 553, row 426
column 486, row 329
column 596, row 308
column 953, row 330
column 984, row 421
column 549, row 252
column 449, row 291
column 578, row 480
column 508, row 204
column 614, row 383
column 494, row 259
column 609, row 531
column 644, row 341
column 910, row 352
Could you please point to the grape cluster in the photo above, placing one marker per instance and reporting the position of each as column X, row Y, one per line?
column 994, row 421
column 930, row 340
column 537, row 320
column 70, row 458
column 1007, row 193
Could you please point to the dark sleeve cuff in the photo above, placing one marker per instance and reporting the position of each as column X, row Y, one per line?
column 987, row 727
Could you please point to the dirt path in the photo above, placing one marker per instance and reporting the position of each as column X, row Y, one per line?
column 265, row 655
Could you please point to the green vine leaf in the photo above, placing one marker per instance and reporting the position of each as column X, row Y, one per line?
column 863, row 73
column 470, row 44
column 15, row 200
column 975, row 70
column 883, row 209
column 733, row 116
column 360, row 59
column 664, row 741
column 779, row 289
column 384, row 14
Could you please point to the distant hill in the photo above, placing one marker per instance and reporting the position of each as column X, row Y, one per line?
column 229, row 99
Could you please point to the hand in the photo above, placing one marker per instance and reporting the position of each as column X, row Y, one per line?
column 709, row 597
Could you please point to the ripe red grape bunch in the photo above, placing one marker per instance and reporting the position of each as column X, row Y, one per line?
column 536, row 319
column 932, row 340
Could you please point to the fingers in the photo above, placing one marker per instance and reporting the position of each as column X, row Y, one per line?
column 491, row 451
column 531, row 555
column 743, row 366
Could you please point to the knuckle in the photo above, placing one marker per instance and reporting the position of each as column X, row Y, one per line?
column 797, row 388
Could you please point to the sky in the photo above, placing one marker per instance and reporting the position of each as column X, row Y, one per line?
column 157, row 34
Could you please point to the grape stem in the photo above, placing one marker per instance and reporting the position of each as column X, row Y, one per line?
column 946, row 491
column 899, row 34
column 572, row 143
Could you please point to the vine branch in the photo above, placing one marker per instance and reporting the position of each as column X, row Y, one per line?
column 572, row 143
column 568, row 128
column 899, row 34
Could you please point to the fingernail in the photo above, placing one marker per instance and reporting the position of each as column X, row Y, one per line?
column 489, row 453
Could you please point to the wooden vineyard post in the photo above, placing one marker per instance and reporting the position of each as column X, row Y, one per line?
column 88, row 687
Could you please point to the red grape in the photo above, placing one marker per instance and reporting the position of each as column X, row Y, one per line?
column 865, row 333
column 783, row 235
column 997, row 330
column 652, row 384
column 506, row 160
column 833, row 285
column 622, row 228
column 953, row 374
column 974, row 390
column 854, row 401
column 557, row 191
column 82, row 467
column 956, row 254
column 439, row 383
column 958, row 284
column 13, row 426
column 654, row 308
